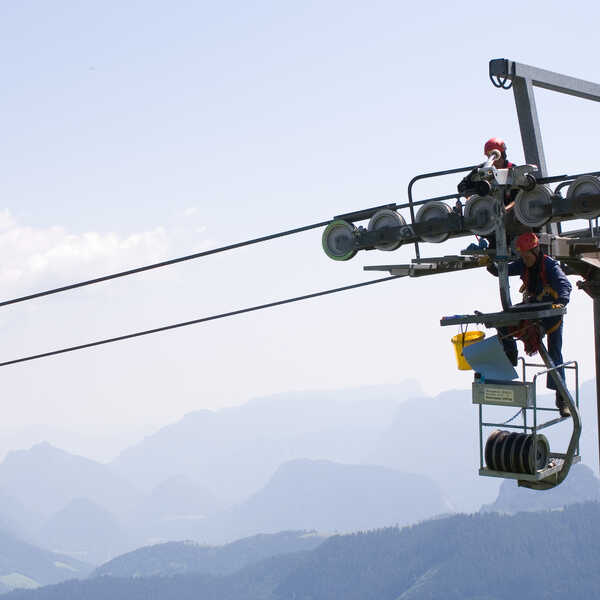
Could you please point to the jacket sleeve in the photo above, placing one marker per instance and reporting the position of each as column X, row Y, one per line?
column 558, row 281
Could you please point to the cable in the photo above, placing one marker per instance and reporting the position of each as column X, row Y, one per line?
column 196, row 321
column 513, row 417
column 165, row 263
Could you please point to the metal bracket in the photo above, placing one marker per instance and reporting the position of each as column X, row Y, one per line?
column 590, row 287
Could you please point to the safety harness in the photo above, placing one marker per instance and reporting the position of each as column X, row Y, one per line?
column 547, row 289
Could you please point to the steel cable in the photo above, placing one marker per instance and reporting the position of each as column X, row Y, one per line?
column 196, row 321
column 164, row 263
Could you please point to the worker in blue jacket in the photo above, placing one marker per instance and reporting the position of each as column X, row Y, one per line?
column 543, row 281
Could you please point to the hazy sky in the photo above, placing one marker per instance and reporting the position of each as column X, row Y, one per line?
column 139, row 131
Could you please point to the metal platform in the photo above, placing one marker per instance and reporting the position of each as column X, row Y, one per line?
column 548, row 471
column 500, row 452
column 507, row 317
column 429, row 266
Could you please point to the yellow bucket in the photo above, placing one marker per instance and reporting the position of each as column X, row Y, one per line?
column 461, row 340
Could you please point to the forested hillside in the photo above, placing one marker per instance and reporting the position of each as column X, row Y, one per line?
column 174, row 558
column 547, row 555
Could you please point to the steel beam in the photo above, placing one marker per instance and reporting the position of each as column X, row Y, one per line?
column 597, row 350
column 529, row 124
column 549, row 80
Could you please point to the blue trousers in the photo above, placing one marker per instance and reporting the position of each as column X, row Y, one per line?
column 553, row 342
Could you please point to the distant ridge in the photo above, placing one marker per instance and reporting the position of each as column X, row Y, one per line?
column 45, row 479
column 173, row 558
column 548, row 555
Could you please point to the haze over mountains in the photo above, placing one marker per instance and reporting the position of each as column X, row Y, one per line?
column 330, row 461
column 235, row 450
column 551, row 555
column 25, row 565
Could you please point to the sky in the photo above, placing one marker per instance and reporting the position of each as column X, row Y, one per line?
column 134, row 132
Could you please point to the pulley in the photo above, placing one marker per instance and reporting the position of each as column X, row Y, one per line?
column 582, row 186
column 533, row 462
column 338, row 240
column 386, row 218
column 506, row 452
column 533, row 207
column 433, row 210
column 514, row 452
column 480, row 211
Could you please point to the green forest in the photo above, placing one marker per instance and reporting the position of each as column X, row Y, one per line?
column 544, row 555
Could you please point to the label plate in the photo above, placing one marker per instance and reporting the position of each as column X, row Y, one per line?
column 491, row 394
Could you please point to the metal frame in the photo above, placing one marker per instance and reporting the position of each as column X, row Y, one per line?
column 579, row 251
column 549, row 476
column 523, row 79
column 545, row 479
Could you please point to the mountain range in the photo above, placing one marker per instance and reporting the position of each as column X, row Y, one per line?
column 23, row 565
column 553, row 555
column 177, row 558
column 334, row 461
column 233, row 451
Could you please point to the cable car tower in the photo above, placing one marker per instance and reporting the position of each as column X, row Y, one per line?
column 542, row 204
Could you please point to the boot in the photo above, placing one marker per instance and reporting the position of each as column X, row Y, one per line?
column 563, row 407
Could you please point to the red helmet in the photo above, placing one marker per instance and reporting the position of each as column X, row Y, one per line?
column 527, row 241
column 494, row 144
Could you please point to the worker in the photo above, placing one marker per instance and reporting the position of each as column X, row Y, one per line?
column 468, row 187
column 543, row 281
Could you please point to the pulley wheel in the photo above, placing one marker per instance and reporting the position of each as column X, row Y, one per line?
column 338, row 240
column 586, row 184
column 497, row 450
column 433, row 210
column 540, row 459
column 506, row 452
column 481, row 210
column 488, row 449
column 492, row 449
column 534, row 208
column 517, row 449
column 386, row 218
column 533, row 463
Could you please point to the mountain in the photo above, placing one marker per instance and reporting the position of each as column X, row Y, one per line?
column 233, row 451
column 25, row 565
column 16, row 519
column 45, row 479
column 437, row 437
column 589, row 432
column 328, row 497
column 530, row 556
column 580, row 486
column 85, row 530
column 166, row 513
column 175, row 558
column 527, row 556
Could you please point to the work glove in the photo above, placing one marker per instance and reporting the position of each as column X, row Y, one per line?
column 484, row 261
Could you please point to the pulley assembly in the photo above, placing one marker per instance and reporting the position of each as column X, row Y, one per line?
column 435, row 221
column 515, row 452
